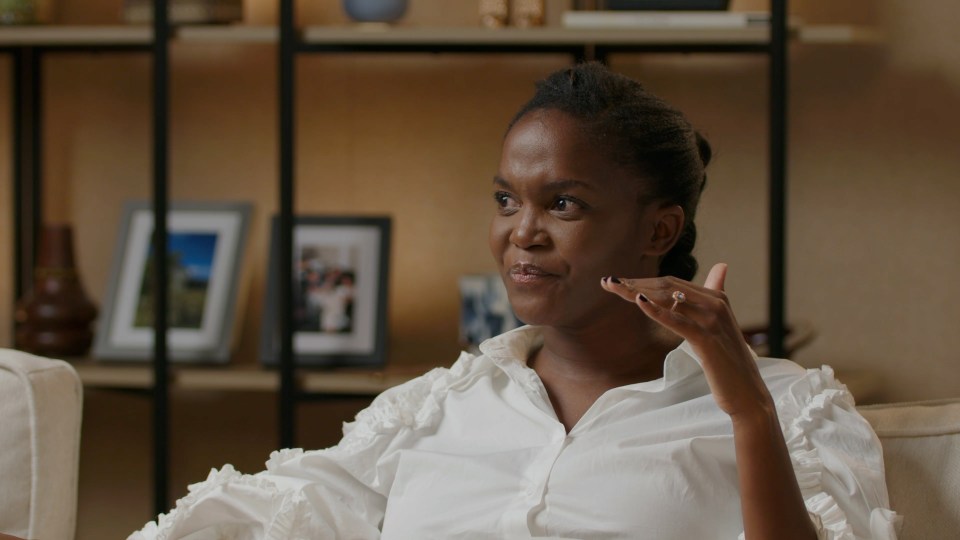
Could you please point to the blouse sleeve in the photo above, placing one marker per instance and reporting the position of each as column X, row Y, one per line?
column 837, row 458
column 339, row 492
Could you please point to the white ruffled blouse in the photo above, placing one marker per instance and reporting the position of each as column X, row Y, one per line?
column 476, row 451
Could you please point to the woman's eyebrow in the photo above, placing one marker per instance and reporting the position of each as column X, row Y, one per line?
column 559, row 184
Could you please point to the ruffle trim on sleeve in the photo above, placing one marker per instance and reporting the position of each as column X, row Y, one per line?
column 279, row 457
column 288, row 518
column 291, row 521
column 802, row 406
column 415, row 405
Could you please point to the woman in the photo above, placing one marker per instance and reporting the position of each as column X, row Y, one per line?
column 630, row 407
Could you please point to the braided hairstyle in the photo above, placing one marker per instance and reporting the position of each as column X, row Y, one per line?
column 640, row 132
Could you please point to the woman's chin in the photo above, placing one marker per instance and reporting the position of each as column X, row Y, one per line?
column 536, row 315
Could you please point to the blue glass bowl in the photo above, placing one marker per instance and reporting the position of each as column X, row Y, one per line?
column 375, row 10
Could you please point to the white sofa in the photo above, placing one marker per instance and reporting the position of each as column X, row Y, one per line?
column 41, row 402
column 921, row 452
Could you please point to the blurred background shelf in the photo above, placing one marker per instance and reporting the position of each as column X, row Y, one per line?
column 118, row 35
column 59, row 35
column 531, row 36
column 326, row 383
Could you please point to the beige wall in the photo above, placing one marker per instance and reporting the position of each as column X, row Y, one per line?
column 873, row 220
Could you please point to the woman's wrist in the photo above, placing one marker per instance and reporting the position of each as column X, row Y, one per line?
column 762, row 416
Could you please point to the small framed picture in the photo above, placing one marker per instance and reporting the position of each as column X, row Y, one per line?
column 205, row 244
column 341, row 267
column 485, row 310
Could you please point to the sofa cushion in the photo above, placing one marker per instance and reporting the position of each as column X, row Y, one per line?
column 921, row 448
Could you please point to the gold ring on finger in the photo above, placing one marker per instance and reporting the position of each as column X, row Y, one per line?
column 678, row 298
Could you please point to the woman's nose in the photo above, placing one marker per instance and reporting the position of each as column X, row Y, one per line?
column 527, row 231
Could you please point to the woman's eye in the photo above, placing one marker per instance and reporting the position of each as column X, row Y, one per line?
column 504, row 200
column 567, row 204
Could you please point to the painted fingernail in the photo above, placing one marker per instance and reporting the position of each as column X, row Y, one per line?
column 615, row 280
column 643, row 298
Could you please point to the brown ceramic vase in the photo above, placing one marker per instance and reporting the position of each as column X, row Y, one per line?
column 54, row 317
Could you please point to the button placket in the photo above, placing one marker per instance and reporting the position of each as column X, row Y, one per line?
column 537, row 482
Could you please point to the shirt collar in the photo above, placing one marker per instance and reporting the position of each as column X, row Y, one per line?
column 511, row 349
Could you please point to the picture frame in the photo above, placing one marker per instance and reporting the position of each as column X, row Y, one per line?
column 205, row 244
column 485, row 309
column 341, row 278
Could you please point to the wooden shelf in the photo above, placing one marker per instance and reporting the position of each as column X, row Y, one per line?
column 96, row 374
column 238, row 33
column 55, row 35
column 378, row 35
column 546, row 36
column 838, row 35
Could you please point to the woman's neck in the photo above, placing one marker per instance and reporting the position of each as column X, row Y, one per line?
column 621, row 352
column 578, row 366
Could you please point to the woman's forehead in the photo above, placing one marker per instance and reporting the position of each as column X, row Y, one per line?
column 553, row 145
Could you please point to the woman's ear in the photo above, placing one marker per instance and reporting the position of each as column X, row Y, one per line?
column 668, row 224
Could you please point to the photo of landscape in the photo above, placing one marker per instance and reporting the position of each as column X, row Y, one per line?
column 189, row 265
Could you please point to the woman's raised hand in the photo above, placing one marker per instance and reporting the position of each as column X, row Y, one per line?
column 703, row 317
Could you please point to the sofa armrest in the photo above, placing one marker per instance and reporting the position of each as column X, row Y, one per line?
column 41, row 404
column 921, row 449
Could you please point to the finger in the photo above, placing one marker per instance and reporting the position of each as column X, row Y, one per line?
column 660, row 290
column 619, row 287
column 716, row 277
column 670, row 319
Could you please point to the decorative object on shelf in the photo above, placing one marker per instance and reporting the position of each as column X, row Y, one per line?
column 527, row 13
column 494, row 13
column 186, row 11
column 205, row 243
column 375, row 11
column 667, row 5
column 484, row 309
column 53, row 318
column 18, row 11
column 341, row 269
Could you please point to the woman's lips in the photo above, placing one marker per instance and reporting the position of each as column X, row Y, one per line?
column 526, row 273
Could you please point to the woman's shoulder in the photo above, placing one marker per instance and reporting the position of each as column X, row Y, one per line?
column 416, row 404
column 788, row 380
column 801, row 393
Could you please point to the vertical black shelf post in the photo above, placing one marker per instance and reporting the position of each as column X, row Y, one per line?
column 287, row 405
column 27, row 165
column 161, row 418
column 778, row 177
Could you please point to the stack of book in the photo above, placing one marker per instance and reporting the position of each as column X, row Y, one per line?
column 186, row 11
column 663, row 19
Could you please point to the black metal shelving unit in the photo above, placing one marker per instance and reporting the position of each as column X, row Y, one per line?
column 28, row 158
column 27, row 137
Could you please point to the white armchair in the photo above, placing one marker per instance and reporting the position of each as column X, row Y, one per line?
column 40, row 413
column 921, row 452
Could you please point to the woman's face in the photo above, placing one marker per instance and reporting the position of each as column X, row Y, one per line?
column 566, row 217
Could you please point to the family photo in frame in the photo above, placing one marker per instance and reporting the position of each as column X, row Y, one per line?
column 204, row 252
column 340, row 277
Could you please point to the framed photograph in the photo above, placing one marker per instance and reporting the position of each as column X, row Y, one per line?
column 341, row 267
column 484, row 309
column 205, row 244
